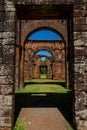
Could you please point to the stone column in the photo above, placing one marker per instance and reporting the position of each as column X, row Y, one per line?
column 80, row 63
column 49, row 72
column 22, row 69
column 7, row 64
column 18, row 54
column 17, row 68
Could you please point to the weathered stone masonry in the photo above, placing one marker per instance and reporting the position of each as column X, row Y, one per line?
column 7, row 64
column 77, row 59
column 57, row 63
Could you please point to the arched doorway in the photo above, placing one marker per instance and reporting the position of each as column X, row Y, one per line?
column 58, row 56
column 59, row 50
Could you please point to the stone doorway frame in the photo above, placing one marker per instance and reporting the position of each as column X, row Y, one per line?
column 7, row 60
column 42, row 24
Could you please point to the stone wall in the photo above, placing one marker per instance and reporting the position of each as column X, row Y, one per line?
column 56, row 66
column 80, row 63
column 32, row 69
column 7, row 64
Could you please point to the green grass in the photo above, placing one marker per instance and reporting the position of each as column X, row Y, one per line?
column 46, row 87
column 68, row 126
column 20, row 124
column 43, row 86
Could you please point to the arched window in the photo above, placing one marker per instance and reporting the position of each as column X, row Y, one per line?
column 44, row 53
column 44, row 34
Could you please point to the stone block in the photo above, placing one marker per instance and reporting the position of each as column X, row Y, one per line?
column 5, row 80
column 9, row 26
column 79, row 20
column 6, row 89
column 9, row 2
column 0, row 41
column 78, row 13
column 8, row 49
column 8, row 41
column 79, row 51
column 81, row 124
column 80, row 100
column 84, row 34
column 1, row 2
column 1, row 7
column 9, row 15
column 78, row 68
column 6, row 122
column 9, row 7
column 79, row 41
column 0, row 50
column 8, row 59
column 8, row 100
column 1, row 100
column 7, row 112
column 2, row 15
column 0, row 60
column 79, row 78
column 6, row 70
column 7, row 35
column 79, row 59
column 82, row 114
column 80, row 86
column 80, row 28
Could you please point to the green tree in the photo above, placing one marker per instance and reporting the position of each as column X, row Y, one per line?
column 43, row 70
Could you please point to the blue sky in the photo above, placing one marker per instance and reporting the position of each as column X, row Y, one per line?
column 43, row 52
column 44, row 35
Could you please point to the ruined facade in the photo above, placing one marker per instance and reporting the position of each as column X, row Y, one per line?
column 14, row 23
column 33, row 70
column 55, row 65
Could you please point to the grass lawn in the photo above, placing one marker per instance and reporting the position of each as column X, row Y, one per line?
column 44, row 86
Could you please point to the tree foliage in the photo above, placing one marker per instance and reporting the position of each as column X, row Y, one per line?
column 43, row 70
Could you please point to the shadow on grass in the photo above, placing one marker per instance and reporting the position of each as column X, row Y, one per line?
column 63, row 84
column 62, row 101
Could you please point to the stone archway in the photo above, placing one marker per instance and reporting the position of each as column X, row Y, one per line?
column 78, row 60
column 56, row 48
column 34, row 25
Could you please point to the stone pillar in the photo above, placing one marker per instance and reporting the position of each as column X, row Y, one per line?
column 63, row 65
column 22, row 69
column 17, row 68
column 18, row 54
column 7, row 64
column 80, row 65
column 49, row 72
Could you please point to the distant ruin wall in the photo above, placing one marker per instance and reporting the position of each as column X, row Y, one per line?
column 56, row 67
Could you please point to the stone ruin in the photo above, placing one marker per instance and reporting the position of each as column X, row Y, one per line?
column 55, row 64
column 67, row 17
